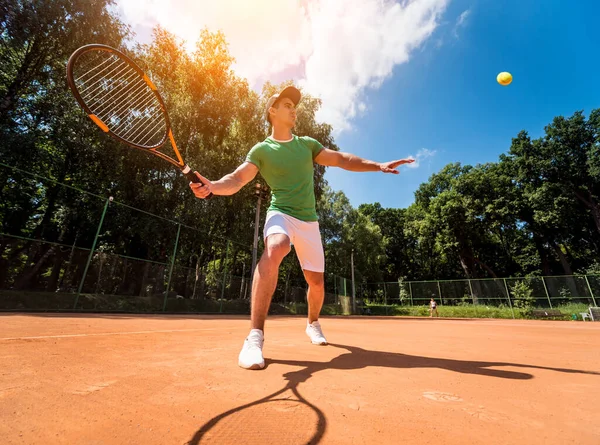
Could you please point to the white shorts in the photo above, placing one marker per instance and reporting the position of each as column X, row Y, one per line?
column 304, row 236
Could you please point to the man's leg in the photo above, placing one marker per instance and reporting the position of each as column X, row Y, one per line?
column 315, row 297
column 265, row 277
column 277, row 247
column 309, row 249
column 316, row 293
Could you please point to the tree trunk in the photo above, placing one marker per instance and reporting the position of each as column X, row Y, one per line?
column 468, row 265
column 589, row 202
column 29, row 273
column 287, row 286
column 196, row 277
column 568, row 271
column 543, row 253
column 98, row 280
column 70, row 261
column 121, row 288
column 142, row 292
column 499, row 284
column 4, row 264
column 563, row 259
column 485, row 266
column 112, row 275
column 202, row 292
column 30, row 65
column 56, row 268
column 596, row 215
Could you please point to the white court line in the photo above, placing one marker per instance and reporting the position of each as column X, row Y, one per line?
column 109, row 333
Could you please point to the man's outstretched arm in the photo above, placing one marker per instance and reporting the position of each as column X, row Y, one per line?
column 347, row 161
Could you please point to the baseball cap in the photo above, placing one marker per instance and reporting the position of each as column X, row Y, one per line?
column 290, row 92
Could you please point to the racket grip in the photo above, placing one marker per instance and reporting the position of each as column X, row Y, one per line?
column 192, row 177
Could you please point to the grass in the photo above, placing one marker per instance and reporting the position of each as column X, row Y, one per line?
column 472, row 311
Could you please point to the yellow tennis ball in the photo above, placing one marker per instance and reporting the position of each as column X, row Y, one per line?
column 504, row 78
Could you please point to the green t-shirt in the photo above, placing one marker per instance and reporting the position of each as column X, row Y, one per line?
column 288, row 169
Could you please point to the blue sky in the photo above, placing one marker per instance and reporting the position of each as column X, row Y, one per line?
column 446, row 99
column 406, row 78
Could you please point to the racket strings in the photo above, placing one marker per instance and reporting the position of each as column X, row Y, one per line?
column 97, row 68
column 142, row 102
column 118, row 95
column 107, row 111
column 137, row 133
column 91, row 96
column 104, row 73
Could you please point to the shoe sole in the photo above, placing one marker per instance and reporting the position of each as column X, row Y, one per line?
column 252, row 367
column 319, row 343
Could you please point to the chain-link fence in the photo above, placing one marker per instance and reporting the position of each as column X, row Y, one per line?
column 541, row 292
column 62, row 248
column 103, row 255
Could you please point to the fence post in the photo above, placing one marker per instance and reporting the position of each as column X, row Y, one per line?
column 440, row 294
column 385, row 298
column 471, row 288
column 224, row 278
column 590, row 288
column 547, row 294
column 353, row 289
column 508, row 297
column 91, row 255
column 411, row 297
column 243, row 280
column 171, row 268
column 337, row 297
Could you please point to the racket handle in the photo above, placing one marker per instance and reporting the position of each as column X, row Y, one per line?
column 192, row 177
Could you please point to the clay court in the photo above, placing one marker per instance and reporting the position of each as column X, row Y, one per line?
column 118, row 379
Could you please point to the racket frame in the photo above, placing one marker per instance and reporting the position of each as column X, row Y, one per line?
column 179, row 163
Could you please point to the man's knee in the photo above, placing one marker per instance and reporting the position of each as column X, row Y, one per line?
column 278, row 246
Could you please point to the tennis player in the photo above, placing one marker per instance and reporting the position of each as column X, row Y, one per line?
column 433, row 308
column 286, row 162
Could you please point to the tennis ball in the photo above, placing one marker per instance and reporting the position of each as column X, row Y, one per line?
column 504, row 78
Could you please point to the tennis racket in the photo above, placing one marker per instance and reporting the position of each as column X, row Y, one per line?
column 122, row 100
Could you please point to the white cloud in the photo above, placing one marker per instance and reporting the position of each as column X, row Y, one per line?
column 461, row 22
column 422, row 154
column 334, row 49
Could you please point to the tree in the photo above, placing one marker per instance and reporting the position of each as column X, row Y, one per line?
column 392, row 224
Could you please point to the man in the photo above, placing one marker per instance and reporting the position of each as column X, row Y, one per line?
column 286, row 162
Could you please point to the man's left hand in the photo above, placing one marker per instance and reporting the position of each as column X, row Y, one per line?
column 390, row 167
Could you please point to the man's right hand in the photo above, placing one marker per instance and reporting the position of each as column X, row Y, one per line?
column 201, row 190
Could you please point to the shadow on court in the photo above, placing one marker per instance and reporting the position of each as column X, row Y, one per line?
column 358, row 358
column 238, row 425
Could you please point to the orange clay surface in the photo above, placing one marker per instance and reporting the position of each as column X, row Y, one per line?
column 118, row 379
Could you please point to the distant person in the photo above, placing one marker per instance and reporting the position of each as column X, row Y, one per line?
column 433, row 308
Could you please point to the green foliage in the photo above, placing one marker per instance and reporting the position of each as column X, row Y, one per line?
column 593, row 269
column 403, row 293
column 466, row 300
column 534, row 212
column 522, row 296
column 565, row 296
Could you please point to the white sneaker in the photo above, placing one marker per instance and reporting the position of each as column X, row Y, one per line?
column 251, row 356
column 313, row 330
